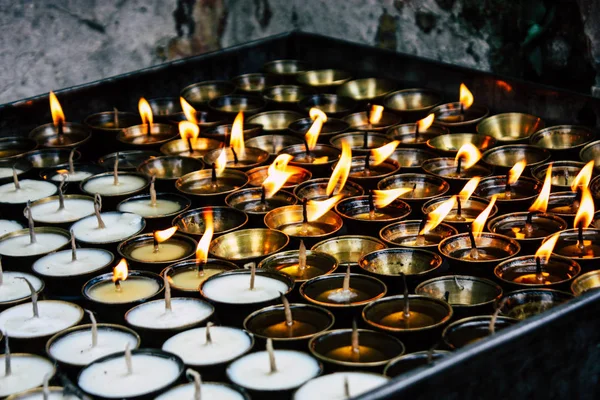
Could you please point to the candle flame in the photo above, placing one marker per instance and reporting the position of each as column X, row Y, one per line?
column 237, row 135
column 221, row 162
column 145, row 111
column 375, row 114
column 435, row 217
column 204, row 243
column 312, row 135
column 585, row 213
column 380, row 154
column 278, row 175
column 515, row 172
column 341, row 171
column 383, row 198
column 58, row 117
column 189, row 130
column 479, row 222
column 466, row 97
column 541, row 203
column 121, row 271
column 321, row 160
column 425, row 123
column 546, row 248
column 467, row 191
column 316, row 209
column 584, row 176
column 165, row 234
column 188, row 111
column 469, row 154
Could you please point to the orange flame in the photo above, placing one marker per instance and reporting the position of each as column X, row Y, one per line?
column 375, row 114
column 380, row 154
column 504, row 86
column 121, row 271
column 278, row 175
column 341, row 170
column 189, row 130
column 585, row 213
column 320, row 160
column 466, row 97
column 479, row 222
column 467, row 191
column 58, row 117
column 545, row 250
column 469, row 154
column 204, row 243
column 515, row 172
column 383, row 198
column 221, row 162
column 425, row 123
column 316, row 209
column 165, row 234
column 145, row 111
column 435, row 217
column 584, row 176
column 237, row 134
column 319, row 118
column 188, row 111
column 541, row 203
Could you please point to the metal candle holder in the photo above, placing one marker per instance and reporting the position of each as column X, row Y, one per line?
column 273, row 143
column 230, row 105
column 333, row 105
column 285, row 96
column 445, row 167
column 285, row 69
column 331, row 128
column 164, row 108
column 129, row 160
column 250, row 158
column 367, row 175
column 168, row 169
column 211, row 267
column 323, row 80
column 406, row 234
column 412, row 104
column 46, row 158
column 286, row 262
column 248, row 245
column 526, row 303
column 204, row 191
column 360, row 142
column 563, row 141
column 451, row 116
column 126, row 248
column 503, row 158
column 355, row 211
column 448, row 144
column 411, row 159
column 522, row 193
column 349, row 249
column 563, row 174
column 257, row 176
column 409, row 136
column 225, row 220
column 274, row 121
column 253, row 83
column 510, row 128
column 252, row 202
column 222, row 132
column 426, row 188
column 315, row 189
column 199, row 94
column 521, row 272
column 147, row 137
column 305, row 159
column 586, row 282
column 199, row 147
column 366, row 89
column 360, row 121
column 466, row 331
column 72, row 135
column 159, row 221
column 13, row 147
column 583, row 248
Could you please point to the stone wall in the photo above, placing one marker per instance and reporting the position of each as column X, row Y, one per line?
column 50, row 44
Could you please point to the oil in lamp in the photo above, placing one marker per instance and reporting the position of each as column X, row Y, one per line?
column 460, row 116
column 369, row 169
column 59, row 133
column 190, row 145
column 149, row 134
column 417, row 134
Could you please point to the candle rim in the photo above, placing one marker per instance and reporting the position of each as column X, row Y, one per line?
column 341, row 276
column 177, row 328
column 132, row 275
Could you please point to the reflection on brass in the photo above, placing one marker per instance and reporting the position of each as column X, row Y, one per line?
column 170, row 167
column 563, row 137
column 366, row 89
column 323, row 77
column 248, row 244
column 510, row 127
column 274, row 120
column 350, row 248
column 449, row 144
column 199, row 94
column 412, row 100
column 526, row 303
column 507, row 156
column 586, row 282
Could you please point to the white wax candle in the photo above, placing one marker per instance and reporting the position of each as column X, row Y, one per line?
column 30, row 190
column 74, row 210
column 77, row 176
column 105, row 185
column 226, row 344
column 235, row 289
column 13, row 288
column 110, row 378
column 55, row 316
column 118, row 227
column 76, row 347
column 253, row 370
column 61, row 263
column 8, row 226
column 210, row 391
column 38, row 394
column 146, row 209
column 154, row 315
column 28, row 372
column 332, row 386
column 8, row 172
column 21, row 245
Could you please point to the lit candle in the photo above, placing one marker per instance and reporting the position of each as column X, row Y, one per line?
column 161, row 246
column 340, row 385
column 311, row 219
column 202, row 390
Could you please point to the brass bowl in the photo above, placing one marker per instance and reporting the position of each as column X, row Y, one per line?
column 448, row 145
column 567, row 246
column 349, row 249
column 445, row 168
column 126, row 249
column 204, row 119
column 249, row 201
column 510, row 127
column 323, row 79
column 53, row 174
column 199, row 94
column 285, row 67
column 355, row 210
column 524, row 191
column 390, row 264
column 591, row 152
column 449, row 115
column 525, row 303
column 331, row 127
column 222, row 132
column 225, row 220
column 408, row 362
column 360, row 121
column 287, row 219
column 46, row 158
column 412, row 104
column 361, row 142
column 586, row 282
column 105, row 121
column 211, row 267
column 74, row 135
column 504, row 158
column 13, row 147
column 137, row 135
column 406, row 134
column 232, row 104
column 470, row 210
column 181, row 148
column 563, row 139
column 470, row 330
column 285, row 96
column 405, row 233
column 366, row 89
column 193, row 183
column 301, row 159
column 426, row 187
column 317, row 290
column 562, row 269
column 315, row 189
column 129, row 160
column 164, row 108
column 170, row 168
column 246, row 245
column 564, row 204
column 258, row 175
column 251, row 158
column 253, row 83
column 563, row 173
column 376, row 172
column 411, row 159
column 273, row 143
column 286, row 262
column 333, row 105
column 274, row 121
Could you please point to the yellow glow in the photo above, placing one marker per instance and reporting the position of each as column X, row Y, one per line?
column 341, row 171
column 237, row 135
column 145, row 111
column 188, row 111
column 469, row 154
column 546, row 248
column 58, row 116
column 479, row 222
column 435, row 217
column 316, row 209
column 165, row 234
column 189, row 130
column 541, row 203
column 466, row 97
column 221, row 162
column 204, row 243
column 375, row 114
column 515, row 172
column 426, row 122
column 380, row 154
column 584, row 176
column 383, row 198
column 121, row 271
column 585, row 213
column 467, row 191
column 278, row 175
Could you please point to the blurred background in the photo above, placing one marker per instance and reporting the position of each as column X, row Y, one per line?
column 52, row 44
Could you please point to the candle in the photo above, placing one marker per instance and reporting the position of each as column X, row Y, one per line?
column 210, row 345
column 300, row 264
column 48, row 318
column 104, row 184
column 19, row 243
column 349, row 249
column 310, row 219
column 8, row 226
column 181, row 312
column 26, row 190
column 208, row 390
column 340, row 385
column 75, row 176
column 189, row 275
column 146, row 208
column 53, row 393
column 13, row 287
column 27, row 371
column 70, row 209
column 6, row 172
column 242, row 287
column 116, row 226
column 130, row 375
column 64, row 264
column 160, row 246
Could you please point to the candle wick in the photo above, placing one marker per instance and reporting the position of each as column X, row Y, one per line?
column 406, row 312
column 271, row 352
column 302, row 259
column 153, row 191
column 252, row 274
column 346, row 282
column 462, row 109
column 507, row 188
column 416, row 131
column 539, row 272
column 287, row 310
column 61, row 128
column 367, row 166
column 447, row 296
column 304, row 211
column 73, row 247
column 355, row 341
column 263, row 195
column 116, row 171
column 420, row 241
column 118, row 285
column 94, row 328
column 214, row 173
column 97, row 209
column 235, row 156
column 190, row 147
column 371, row 204
column 196, row 378
column 16, row 178
column 306, row 149
column 116, row 117
column 71, row 163
column 458, row 208
column 492, row 327
column 474, row 252
column 458, row 166
column 461, row 287
column 346, row 388
column 208, row 335
column 431, row 352
column 34, row 297
column 167, row 284
column 32, row 237
column 7, row 357
column 1, row 272
column 580, row 243
column 61, row 193
column 155, row 243
column 365, row 139
column 46, row 387
column 128, row 360
column 148, row 128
